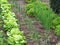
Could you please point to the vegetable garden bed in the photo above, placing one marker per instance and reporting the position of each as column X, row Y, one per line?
column 34, row 31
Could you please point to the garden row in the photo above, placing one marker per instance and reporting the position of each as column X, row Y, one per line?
column 41, row 12
column 11, row 34
column 44, row 14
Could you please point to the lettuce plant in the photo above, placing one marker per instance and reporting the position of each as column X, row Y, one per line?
column 29, row 9
column 16, row 37
column 56, row 21
column 57, row 30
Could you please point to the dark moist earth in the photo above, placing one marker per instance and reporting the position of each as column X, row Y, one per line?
column 39, row 28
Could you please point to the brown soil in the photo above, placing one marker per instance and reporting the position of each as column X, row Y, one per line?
column 39, row 28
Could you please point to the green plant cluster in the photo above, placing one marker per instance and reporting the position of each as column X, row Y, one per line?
column 41, row 12
column 11, row 27
column 30, row 1
column 57, row 30
column 56, row 21
column 16, row 37
column 56, row 25
column 29, row 9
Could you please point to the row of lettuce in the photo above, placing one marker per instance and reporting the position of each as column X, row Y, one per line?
column 43, row 13
column 10, row 26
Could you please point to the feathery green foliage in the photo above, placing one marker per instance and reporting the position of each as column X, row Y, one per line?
column 44, row 14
